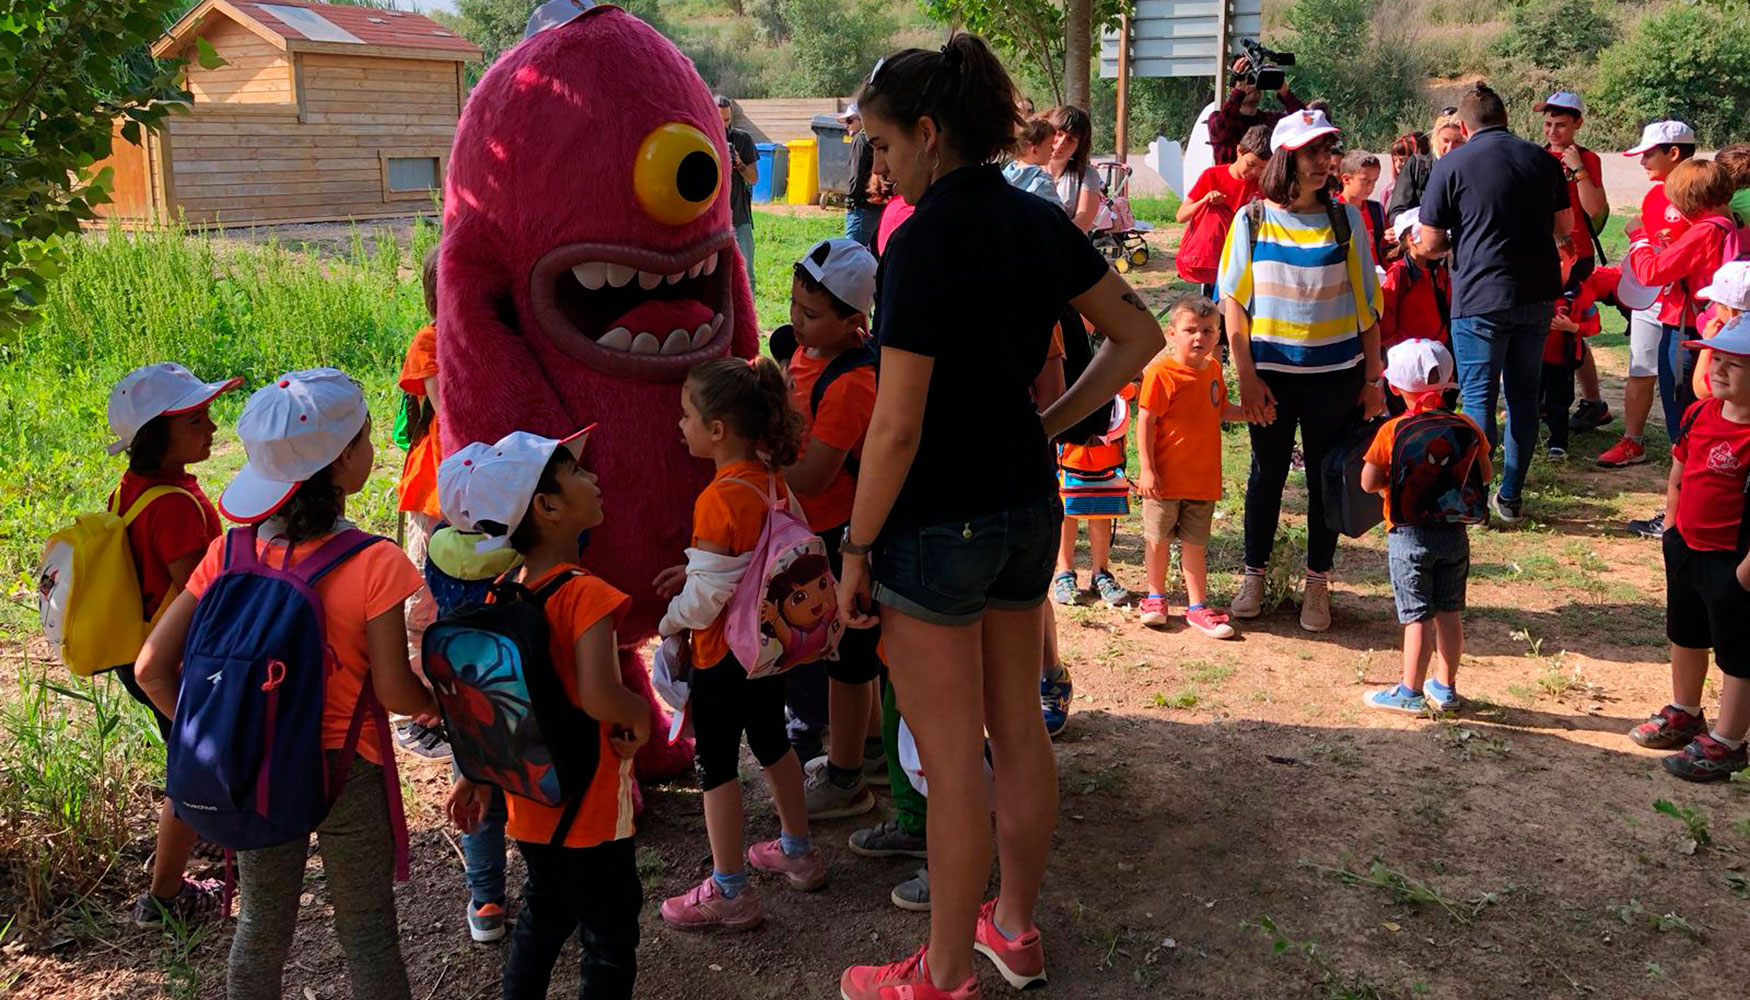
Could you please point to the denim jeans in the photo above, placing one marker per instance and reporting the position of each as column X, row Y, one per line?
column 744, row 241
column 1504, row 349
column 1429, row 567
column 483, row 850
column 1676, row 371
column 861, row 225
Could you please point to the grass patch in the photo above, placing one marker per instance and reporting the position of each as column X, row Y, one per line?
column 1156, row 210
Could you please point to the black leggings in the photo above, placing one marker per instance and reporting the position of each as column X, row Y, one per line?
column 726, row 704
column 1557, row 389
column 1323, row 406
column 590, row 892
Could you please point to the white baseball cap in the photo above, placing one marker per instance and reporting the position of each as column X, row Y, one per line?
column 1407, row 222
column 292, row 428
column 1297, row 128
column 1413, row 366
column 1730, row 285
column 846, row 268
column 1563, row 99
column 162, row 390
column 487, row 488
column 849, row 112
column 1660, row 134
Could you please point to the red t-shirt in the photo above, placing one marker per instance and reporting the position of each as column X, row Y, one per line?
column 1661, row 220
column 1715, row 453
column 1237, row 190
column 1582, row 231
column 171, row 527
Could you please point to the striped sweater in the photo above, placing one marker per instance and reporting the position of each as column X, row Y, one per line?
column 1299, row 289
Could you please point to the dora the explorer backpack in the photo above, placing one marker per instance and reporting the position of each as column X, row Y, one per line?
column 510, row 721
column 785, row 610
column 246, row 766
column 88, row 590
column 1436, row 471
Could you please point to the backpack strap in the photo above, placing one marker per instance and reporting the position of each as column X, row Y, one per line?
column 846, row 362
column 338, row 549
column 145, row 499
column 539, row 597
column 368, row 705
column 240, row 551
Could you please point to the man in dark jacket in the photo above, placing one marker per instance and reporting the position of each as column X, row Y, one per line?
column 862, row 216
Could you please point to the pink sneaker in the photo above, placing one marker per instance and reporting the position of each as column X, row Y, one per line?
column 906, row 980
column 1021, row 961
column 705, row 908
column 1212, row 622
column 1154, row 611
column 807, row 872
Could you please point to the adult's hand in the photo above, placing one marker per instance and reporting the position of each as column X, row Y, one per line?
column 1257, row 400
column 856, row 602
column 1372, row 400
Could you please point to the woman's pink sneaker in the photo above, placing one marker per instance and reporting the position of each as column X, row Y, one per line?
column 807, row 872
column 906, row 980
column 705, row 908
column 1212, row 622
column 1021, row 961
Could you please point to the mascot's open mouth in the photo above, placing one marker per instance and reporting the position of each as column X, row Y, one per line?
column 635, row 313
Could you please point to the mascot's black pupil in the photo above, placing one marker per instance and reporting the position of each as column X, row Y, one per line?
column 696, row 177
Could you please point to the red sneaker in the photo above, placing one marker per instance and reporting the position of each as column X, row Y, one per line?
column 1626, row 451
column 807, row 872
column 1212, row 622
column 906, row 980
column 1154, row 611
column 705, row 908
column 1021, row 961
column 1670, row 728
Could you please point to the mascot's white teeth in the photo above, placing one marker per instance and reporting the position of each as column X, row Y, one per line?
column 597, row 274
column 675, row 342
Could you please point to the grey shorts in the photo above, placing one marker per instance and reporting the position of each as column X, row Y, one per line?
column 1643, row 343
column 1429, row 568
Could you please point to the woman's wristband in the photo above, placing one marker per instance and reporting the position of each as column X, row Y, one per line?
column 850, row 548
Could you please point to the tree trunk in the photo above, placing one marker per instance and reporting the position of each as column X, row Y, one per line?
column 1078, row 46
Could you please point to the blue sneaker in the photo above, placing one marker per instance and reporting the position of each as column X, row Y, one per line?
column 1440, row 697
column 1054, row 698
column 1397, row 698
column 1064, row 589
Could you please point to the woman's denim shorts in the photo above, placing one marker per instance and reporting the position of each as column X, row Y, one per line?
column 949, row 573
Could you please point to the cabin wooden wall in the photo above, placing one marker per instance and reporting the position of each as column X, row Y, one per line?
column 255, row 71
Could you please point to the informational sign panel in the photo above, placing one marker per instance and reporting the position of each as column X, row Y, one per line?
column 1180, row 37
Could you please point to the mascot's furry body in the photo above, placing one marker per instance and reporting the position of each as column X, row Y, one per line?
column 588, row 263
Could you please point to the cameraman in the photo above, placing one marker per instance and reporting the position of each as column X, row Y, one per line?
column 1228, row 123
column 744, row 173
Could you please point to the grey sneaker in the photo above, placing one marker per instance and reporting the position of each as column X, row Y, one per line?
column 1508, row 512
column 1249, row 602
column 1110, row 591
column 875, row 771
column 195, row 899
column 485, row 922
column 887, row 839
column 914, row 893
column 1064, row 589
column 827, row 800
column 422, row 741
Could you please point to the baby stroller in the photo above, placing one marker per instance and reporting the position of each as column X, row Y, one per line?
column 1117, row 234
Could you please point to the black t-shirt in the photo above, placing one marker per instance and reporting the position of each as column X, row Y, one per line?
column 976, row 279
column 740, row 194
column 1498, row 194
column 862, row 156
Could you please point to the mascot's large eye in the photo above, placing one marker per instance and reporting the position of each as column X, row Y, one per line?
column 677, row 174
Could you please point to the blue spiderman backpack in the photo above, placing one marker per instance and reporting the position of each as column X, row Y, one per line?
column 510, row 721
column 246, row 766
column 1437, row 472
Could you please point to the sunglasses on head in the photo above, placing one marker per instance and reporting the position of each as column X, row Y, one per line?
column 1450, row 109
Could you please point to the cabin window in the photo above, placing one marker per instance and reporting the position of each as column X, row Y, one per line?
column 412, row 174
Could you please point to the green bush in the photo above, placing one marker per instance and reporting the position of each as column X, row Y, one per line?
column 835, row 44
column 1166, row 106
column 1686, row 62
column 1362, row 62
column 1555, row 34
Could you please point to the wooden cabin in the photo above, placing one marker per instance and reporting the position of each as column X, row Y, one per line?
column 321, row 112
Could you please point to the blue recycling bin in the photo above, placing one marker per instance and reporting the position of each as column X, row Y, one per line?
column 774, row 172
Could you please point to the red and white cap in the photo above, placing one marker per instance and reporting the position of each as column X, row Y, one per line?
column 1297, row 128
column 1413, row 366
column 1657, row 135
column 1562, row 100
column 486, row 488
column 292, row 428
column 162, row 390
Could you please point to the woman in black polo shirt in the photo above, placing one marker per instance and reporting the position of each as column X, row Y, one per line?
column 955, row 525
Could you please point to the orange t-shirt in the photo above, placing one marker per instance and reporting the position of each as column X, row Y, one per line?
column 358, row 590
column 419, row 474
column 1187, row 404
column 1379, row 453
column 730, row 516
column 606, row 812
column 844, row 414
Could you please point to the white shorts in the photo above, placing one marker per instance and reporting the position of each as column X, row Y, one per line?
column 1644, row 332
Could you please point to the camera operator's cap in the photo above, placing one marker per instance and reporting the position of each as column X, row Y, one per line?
column 1660, row 134
column 554, row 13
column 1733, row 338
column 1413, row 366
column 1408, row 221
column 1562, row 100
column 1730, row 286
column 292, row 428
column 486, row 488
column 1297, row 128
column 157, row 391
column 846, row 268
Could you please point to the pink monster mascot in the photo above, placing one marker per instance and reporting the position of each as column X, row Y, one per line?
column 588, row 263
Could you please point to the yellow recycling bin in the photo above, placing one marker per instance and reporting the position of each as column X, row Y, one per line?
column 804, row 171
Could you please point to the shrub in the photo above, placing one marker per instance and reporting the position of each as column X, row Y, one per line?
column 1686, row 62
column 1356, row 54
column 836, row 42
column 1166, row 106
column 1555, row 34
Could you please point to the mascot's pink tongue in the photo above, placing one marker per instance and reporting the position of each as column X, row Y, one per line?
column 658, row 318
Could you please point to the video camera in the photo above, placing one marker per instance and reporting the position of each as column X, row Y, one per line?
column 1264, row 67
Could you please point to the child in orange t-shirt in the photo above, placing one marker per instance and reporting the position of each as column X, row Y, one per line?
column 534, row 495
column 1183, row 403
column 737, row 414
column 307, row 436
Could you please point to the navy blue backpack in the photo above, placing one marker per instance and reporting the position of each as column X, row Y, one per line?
column 246, row 766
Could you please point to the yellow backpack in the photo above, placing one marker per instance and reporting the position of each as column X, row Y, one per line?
column 88, row 594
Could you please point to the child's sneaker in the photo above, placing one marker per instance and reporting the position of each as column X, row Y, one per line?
column 827, row 799
column 1021, row 961
column 194, row 899
column 1440, row 697
column 1064, row 589
column 1707, row 759
column 1650, row 527
column 1109, row 590
column 1249, row 602
column 1669, row 728
column 1397, row 698
column 422, row 741
column 1154, row 611
column 1210, row 621
column 1556, row 454
column 1054, row 696
column 705, row 908
column 887, row 839
column 485, row 922
column 807, row 872
column 875, row 771
column 905, row 980
column 1505, row 511
column 1590, row 414
column 914, row 893
column 1626, row 451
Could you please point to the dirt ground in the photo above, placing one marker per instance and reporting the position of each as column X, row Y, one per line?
column 1213, row 787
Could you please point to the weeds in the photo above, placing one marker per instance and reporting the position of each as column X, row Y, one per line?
column 182, row 976
column 1184, row 698
column 1632, row 913
column 1467, row 742
column 1694, row 823
column 1332, row 984
column 1287, row 563
column 1409, row 890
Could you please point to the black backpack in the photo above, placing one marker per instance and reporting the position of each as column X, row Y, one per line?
column 861, row 356
column 1078, row 353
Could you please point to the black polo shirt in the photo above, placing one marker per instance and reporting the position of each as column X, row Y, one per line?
column 975, row 279
column 1498, row 195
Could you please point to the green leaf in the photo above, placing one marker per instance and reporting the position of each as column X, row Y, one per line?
column 207, row 56
column 131, row 132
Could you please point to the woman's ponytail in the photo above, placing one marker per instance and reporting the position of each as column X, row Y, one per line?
column 962, row 87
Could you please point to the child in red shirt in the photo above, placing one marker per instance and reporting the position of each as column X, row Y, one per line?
column 1211, row 204
column 1576, row 318
column 1418, row 290
column 1359, row 174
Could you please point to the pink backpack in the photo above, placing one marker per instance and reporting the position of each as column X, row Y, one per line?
column 785, row 610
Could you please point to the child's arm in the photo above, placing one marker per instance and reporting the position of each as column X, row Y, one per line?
column 1231, row 413
column 391, row 678
column 599, row 690
column 820, row 463
column 1673, row 488
column 158, row 669
column 1147, row 428
column 1374, row 478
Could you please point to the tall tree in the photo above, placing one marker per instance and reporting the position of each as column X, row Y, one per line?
column 1036, row 32
column 1078, row 47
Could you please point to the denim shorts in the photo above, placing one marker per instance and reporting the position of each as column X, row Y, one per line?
column 1429, row 567
column 949, row 573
